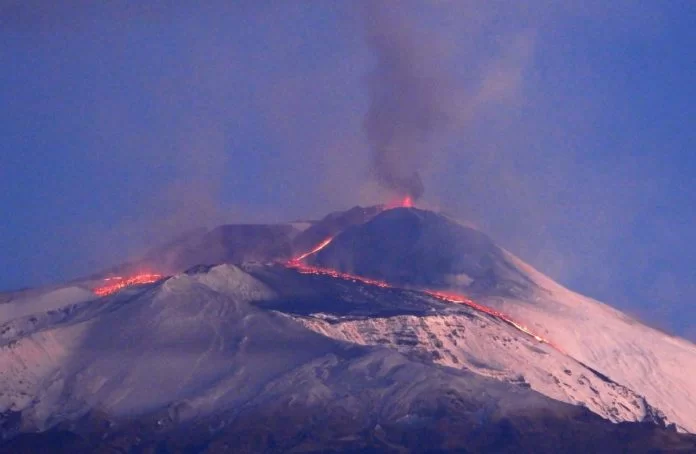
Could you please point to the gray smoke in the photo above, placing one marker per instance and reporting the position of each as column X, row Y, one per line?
column 405, row 107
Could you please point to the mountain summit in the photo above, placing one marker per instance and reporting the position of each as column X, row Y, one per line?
column 409, row 246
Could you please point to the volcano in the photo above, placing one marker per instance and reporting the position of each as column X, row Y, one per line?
column 373, row 329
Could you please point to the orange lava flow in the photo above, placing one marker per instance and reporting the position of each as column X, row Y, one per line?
column 459, row 299
column 308, row 269
column 116, row 283
column 302, row 268
column 319, row 247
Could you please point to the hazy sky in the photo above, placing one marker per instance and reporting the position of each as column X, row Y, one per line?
column 568, row 130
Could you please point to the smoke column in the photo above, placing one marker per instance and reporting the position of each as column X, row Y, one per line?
column 404, row 106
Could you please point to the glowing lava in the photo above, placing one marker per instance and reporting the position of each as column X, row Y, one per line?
column 406, row 202
column 296, row 264
column 321, row 246
column 116, row 283
column 308, row 269
column 459, row 299
column 303, row 268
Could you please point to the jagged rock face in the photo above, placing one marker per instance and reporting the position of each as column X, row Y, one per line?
column 416, row 247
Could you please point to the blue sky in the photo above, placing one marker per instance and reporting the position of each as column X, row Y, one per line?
column 569, row 138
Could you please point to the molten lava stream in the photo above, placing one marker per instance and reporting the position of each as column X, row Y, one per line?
column 318, row 248
column 459, row 299
column 116, row 283
column 296, row 264
column 308, row 269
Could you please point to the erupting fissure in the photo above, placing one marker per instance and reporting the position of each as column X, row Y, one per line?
column 116, row 283
column 301, row 267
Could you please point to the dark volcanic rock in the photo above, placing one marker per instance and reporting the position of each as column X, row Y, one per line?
column 305, row 294
column 417, row 247
column 445, row 424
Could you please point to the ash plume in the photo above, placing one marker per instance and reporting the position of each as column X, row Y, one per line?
column 405, row 107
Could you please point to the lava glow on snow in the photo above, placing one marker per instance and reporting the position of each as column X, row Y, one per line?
column 459, row 299
column 116, row 283
column 298, row 265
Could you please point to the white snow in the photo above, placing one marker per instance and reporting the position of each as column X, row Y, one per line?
column 195, row 342
column 654, row 364
column 194, row 345
column 43, row 301
column 493, row 349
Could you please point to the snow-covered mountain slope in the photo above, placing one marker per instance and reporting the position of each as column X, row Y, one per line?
column 194, row 346
column 655, row 364
column 453, row 335
column 424, row 249
column 492, row 349
column 145, row 348
column 221, row 346
column 28, row 303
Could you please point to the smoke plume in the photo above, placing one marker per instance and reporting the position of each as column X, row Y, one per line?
column 404, row 97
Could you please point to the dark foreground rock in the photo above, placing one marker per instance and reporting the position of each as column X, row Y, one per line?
column 442, row 424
